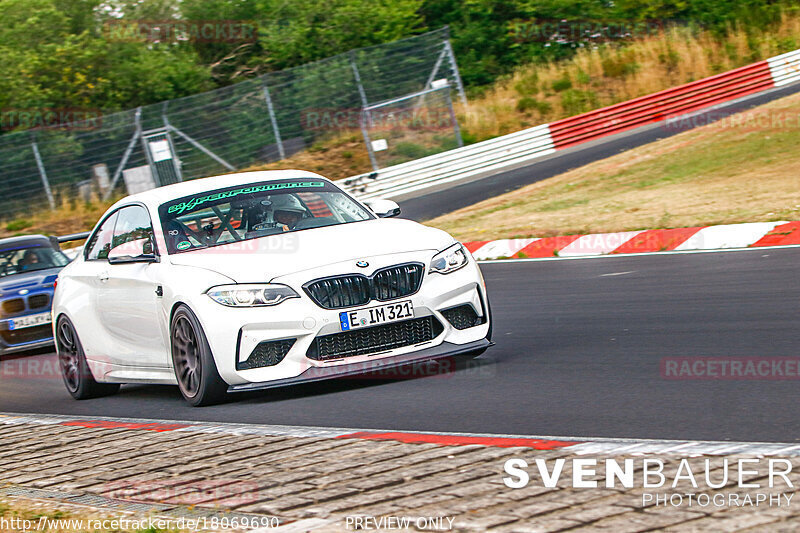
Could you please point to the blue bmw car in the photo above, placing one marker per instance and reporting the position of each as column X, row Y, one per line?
column 29, row 267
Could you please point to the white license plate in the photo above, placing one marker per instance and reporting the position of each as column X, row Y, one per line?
column 379, row 314
column 29, row 321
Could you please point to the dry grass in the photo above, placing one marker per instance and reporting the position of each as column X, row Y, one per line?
column 609, row 74
column 740, row 170
column 71, row 216
column 336, row 157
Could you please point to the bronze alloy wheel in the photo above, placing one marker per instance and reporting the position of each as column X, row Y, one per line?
column 186, row 356
column 195, row 369
column 68, row 357
column 75, row 370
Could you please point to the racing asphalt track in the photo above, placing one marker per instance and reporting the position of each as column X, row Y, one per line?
column 579, row 345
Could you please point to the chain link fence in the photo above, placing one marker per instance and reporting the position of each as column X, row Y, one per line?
column 398, row 95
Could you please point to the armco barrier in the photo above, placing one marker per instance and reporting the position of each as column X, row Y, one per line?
column 658, row 106
column 481, row 157
column 539, row 141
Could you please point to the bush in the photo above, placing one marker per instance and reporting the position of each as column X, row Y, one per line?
column 618, row 67
column 19, row 224
column 576, row 102
column 411, row 150
column 527, row 104
column 670, row 59
column 563, row 84
column 528, row 85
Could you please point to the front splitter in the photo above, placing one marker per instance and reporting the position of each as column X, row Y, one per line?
column 446, row 349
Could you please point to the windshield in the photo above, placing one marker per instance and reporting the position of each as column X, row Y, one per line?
column 29, row 259
column 255, row 210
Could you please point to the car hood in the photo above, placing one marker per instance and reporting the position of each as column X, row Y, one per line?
column 9, row 285
column 266, row 258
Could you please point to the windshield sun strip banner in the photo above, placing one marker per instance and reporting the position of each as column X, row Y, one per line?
column 197, row 201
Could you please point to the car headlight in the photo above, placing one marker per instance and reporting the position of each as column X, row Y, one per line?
column 252, row 295
column 450, row 259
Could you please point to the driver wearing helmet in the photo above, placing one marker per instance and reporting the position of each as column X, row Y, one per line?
column 29, row 260
column 287, row 211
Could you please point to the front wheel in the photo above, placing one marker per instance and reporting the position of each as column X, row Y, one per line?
column 194, row 365
column 74, row 369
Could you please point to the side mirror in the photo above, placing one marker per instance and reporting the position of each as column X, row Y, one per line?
column 383, row 208
column 138, row 251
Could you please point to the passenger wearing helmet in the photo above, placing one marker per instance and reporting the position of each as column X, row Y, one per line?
column 287, row 211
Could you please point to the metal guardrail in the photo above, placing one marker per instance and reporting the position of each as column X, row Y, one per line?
column 785, row 68
column 508, row 150
column 455, row 164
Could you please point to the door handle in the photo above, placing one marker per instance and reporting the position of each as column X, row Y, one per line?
column 103, row 277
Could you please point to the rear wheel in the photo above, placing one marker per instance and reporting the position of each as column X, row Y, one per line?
column 78, row 378
column 194, row 365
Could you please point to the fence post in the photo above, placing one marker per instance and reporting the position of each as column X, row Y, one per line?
column 137, row 133
column 456, row 127
column 454, row 67
column 272, row 117
column 176, row 162
column 364, row 112
column 42, row 173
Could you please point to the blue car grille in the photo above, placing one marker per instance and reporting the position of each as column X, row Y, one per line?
column 18, row 306
column 38, row 301
column 21, row 336
column 12, row 307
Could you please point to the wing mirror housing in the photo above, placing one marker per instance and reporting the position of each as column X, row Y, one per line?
column 383, row 208
column 138, row 251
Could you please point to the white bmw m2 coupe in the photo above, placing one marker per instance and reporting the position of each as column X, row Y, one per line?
column 257, row 280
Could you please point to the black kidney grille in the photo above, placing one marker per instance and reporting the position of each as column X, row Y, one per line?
column 17, row 305
column 396, row 282
column 463, row 317
column 356, row 289
column 374, row 339
column 266, row 353
column 344, row 291
column 38, row 301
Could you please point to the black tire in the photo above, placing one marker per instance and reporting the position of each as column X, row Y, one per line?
column 75, row 370
column 193, row 362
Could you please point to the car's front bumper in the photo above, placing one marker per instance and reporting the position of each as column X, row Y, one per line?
column 35, row 337
column 32, row 345
column 234, row 333
column 444, row 349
